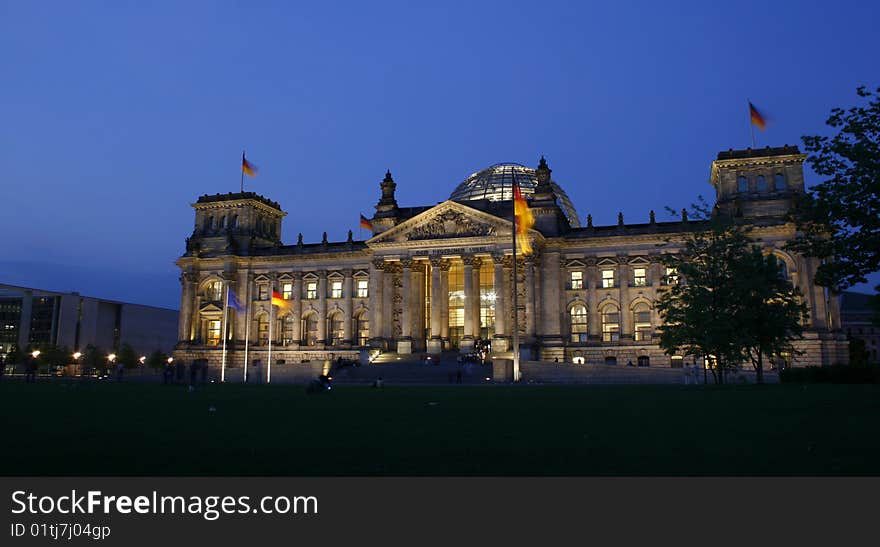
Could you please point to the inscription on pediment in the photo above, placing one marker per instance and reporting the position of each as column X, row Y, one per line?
column 450, row 223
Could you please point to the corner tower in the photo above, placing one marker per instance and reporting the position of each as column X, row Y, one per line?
column 759, row 183
column 234, row 223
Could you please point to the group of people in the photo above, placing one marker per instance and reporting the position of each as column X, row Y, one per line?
column 175, row 373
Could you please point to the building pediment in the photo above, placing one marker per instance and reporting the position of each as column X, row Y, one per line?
column 449, row 220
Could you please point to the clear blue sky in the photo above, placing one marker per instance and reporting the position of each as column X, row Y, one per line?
column 117, row 115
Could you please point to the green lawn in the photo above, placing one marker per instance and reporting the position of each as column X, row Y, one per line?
column 96, row 428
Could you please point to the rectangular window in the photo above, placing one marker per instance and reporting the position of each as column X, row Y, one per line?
column 671, row 276
column 607, row 279
column 312, row 290
column 214, row 332
column 336, row 289
column 640, row 279
column 363, row 290
column 287, row 291
column 577, row 280
column 263, row 291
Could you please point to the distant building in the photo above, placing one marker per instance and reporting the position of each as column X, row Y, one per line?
column 439, row 277
column 857, row 317
column 35, row 317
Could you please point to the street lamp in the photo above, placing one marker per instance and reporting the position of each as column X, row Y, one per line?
column 77, row 355
column 142, row 359
column 170, row 359
column 35, row 353
column 111, row 357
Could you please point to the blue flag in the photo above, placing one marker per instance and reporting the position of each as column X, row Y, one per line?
column 235, row 303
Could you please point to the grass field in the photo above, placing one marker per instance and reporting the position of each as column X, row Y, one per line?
column 96, row 428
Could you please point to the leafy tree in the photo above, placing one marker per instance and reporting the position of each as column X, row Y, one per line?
column 51, row 355
column 93, row 359
column 127, row 356
column 839, row 219
column 14, row 356
column 771, row 313
column 730, row 304
column 157, row 359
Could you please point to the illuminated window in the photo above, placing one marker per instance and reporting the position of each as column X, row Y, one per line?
column 676, row 361
column 671, row 276
column 336, row 329
column 642, row 322
column 263, row 291
column 336, row 289
column 311, row 290
column 363, row 328
column 487, row 301
column 214, row 332
column 742, row 184
column 287, row 291
column 576, row 280
column 761, row 184
column 263, row 329
column 639, row 277
column 215, row 291
column 579, row 323
column 607, row 279
column 610, row 323
column 287, row 330
column 363, row 290
column 311, row 329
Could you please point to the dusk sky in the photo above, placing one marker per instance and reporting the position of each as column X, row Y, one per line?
column 116, row 116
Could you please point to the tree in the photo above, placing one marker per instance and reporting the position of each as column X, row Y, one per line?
column 771, row 313
column 839, row 219
column 729, row 304
column 127, row 356
column 93, row 359
column 157, row 359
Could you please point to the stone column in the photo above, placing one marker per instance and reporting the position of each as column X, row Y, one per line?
column 499, row 341
column 388, row 303
column 529, row 265
column 404, row 344
column 593, row 320
column 227, row 287
column 815, row 296
column 347, row 295
column 243, row 293
column 322, row 307
column 551, row 289
column 435, row 344
column 623, row 298
column 297, row 308
column 467, row 341
column 833, row 310
column 375, row 301
column 475, row 309
column 184, row 329
column 444, row 302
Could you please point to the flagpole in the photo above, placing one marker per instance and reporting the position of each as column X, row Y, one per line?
column 751, row 125
column 271, row 320
column 242, row 171
column 225, row 331
column 247, row 330
column 515, row 299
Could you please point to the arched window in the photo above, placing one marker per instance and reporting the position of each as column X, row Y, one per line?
column 209, row 223
column 610, row 323
column 287, row 329
column 214, row 291
column 779, row 181
column 223, row 222
column 611, row 361
column 578, row 323
column 263, row 329
column 234, row 222
column 311, row 329
column 742, row 184
column 642, row 322
column 363, row 328
column 761, row 184
column 337, row 333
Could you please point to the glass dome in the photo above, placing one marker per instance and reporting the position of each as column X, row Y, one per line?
column 495, row 183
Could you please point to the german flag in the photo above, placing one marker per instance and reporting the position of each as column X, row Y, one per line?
column 758, row 119
column 277, row 300
column 525, row 220
column 365, row 223
column 247, row 167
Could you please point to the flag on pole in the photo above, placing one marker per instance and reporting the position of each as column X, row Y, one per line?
column 525, row 220
column 247, row 167
column 234, row 302
column 758, row 119
column 277, row 300
column 365, row 223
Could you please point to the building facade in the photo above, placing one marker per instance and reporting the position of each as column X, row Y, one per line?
column 440, row 277
column 33, row 318
column 859, row 319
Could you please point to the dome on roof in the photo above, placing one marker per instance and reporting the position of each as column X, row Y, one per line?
column 495, row 183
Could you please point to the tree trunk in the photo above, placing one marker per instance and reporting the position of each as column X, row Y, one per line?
column 759, row 369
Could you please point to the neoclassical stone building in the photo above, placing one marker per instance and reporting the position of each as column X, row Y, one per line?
column 437, row 278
